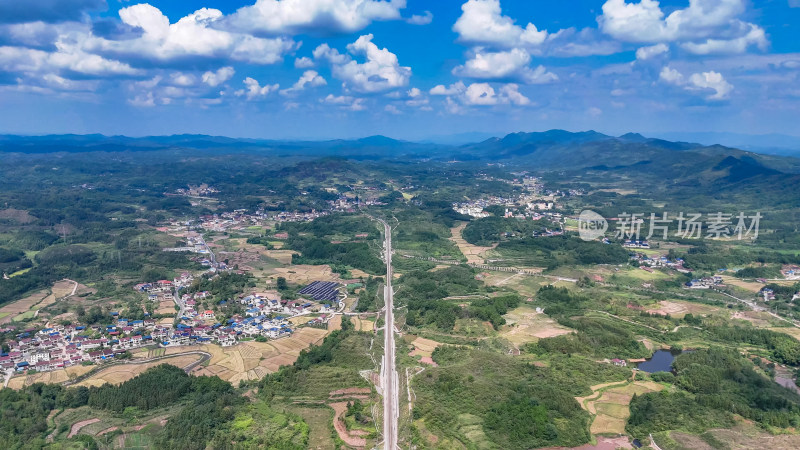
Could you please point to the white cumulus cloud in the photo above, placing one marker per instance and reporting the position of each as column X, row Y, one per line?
column 482, row 23
column 424, row 19
column 714, row 81
column 194, row 35
column 253, row 90
column 705, row 26
column 483, row 94
column 699, row 82
column 222, row 75
column 321, row 16
column 645, row 53
column 454, row 89
column 309, row 78
column 380, row 72
column 303, row 63
column 504, row 65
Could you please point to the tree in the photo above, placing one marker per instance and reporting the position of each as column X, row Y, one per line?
column 281, row 284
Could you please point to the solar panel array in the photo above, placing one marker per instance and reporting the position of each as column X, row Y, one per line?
column 322, row 291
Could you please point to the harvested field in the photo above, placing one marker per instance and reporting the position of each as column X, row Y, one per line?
column 282, row 256
column 55, row 376
column 19, row 216
column 362, row 324
column 335, row 323
column 124, row 372
column 759, row 319
column 607, row 443
column 348, row 392
column 679, row 308
column 473, row 253
column 423, row 348
column 165, row 307
column 357, row 273
column 64, row 288
column 22, row 306
column 27, row 306
column 791, row 331
column 751, row 286
column 252, row 360
column 242, row 258
column 524, row 325
column 304, row 274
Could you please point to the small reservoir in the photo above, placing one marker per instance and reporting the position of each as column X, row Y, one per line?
column 661, row 361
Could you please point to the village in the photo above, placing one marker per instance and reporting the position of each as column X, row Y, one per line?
column 535, row 203
column 266, row 317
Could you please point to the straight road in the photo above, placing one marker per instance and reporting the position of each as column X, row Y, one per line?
column 391, row 409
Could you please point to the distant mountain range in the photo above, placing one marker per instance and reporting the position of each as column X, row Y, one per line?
column 774, row 144
column 554, row 149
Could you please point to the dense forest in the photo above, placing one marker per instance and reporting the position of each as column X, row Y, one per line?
column 715, row 383
column 555, row 251
column 208, row 403
column 493, row 229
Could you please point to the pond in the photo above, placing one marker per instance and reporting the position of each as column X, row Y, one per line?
column 661, row 361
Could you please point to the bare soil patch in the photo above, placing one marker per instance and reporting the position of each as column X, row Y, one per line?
column 19, row 216
column 473, row 253
column 76, row 427
column 524, row 325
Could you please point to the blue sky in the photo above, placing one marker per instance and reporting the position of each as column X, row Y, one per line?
column 317, row 69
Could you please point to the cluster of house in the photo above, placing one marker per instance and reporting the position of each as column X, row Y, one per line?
column 231, row 220
column 791, row 272
column 704, row 283
column 194, row 191
column 267, row 303
column 633, row 243
column 238, row 219
column 194, row 244
column 529, row 204
column 288, row 216
column 646, row 261
column 190, row 302
column 767, row 293
column 62, row 346
column 165, row 288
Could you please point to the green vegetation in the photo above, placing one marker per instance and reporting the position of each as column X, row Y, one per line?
column 368, row 297
column 716, row 383
column 518, row 405
column 556, row 251
column 493, row 229
column 783, row 348
column 321, row 369
column 12, row 260
column 358, row 255
column 425, row 295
